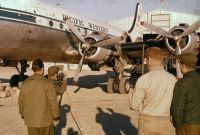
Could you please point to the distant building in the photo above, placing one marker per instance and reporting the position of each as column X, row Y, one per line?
column 161, row 18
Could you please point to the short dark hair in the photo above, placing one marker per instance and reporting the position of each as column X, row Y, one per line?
column 37, row 65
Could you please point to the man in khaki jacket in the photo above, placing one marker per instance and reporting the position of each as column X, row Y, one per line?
column 38, row 104
column 152, row 96
column 59, row 81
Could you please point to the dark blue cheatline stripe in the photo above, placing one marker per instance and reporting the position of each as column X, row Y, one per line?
column 34, row 14
column 33, row 24
column 18, row 16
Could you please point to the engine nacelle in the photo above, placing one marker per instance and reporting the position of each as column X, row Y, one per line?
column 99, row 56
column 188, row 44
column 95, row 54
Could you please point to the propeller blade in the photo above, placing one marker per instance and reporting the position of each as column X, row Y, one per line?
column 109, row 41
column 191, row 28
column 135, row 18
column 73, row 29
column 79, row 68
column 156, row 29
column 178, row 49
column 178, row 71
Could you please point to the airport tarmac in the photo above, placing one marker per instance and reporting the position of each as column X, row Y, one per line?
column 94, row 110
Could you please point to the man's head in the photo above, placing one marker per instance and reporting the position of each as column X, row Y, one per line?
column 38, row 66
column 187, row 61
column 154, row 56
column 53, row 72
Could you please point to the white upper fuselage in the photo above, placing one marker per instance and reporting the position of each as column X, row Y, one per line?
column 37, row 7
column 33, row 29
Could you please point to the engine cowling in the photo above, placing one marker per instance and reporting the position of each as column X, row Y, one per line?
column 94, row 54
column 188, row 44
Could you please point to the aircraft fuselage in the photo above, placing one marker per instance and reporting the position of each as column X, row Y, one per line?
column 29, row 35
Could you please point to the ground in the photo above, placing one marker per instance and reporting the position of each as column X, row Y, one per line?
column 94, row 110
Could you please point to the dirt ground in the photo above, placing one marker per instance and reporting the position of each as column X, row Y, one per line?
column 89, row 105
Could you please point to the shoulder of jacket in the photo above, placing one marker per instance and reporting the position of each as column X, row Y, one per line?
column 47, row 80
column 182, row 82
column 143, row 77
column 146, row 75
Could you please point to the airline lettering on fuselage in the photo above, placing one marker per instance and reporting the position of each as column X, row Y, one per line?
column 76, row 21
column 92, row 26
column 97, row 28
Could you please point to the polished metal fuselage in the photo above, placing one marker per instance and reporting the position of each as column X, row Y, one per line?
column 25, row 41
column 30, row 35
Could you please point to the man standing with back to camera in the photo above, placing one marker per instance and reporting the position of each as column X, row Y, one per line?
column 152, row 96
column 185, row 108
column 38, row 104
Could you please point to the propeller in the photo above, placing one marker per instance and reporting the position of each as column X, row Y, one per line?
column 102, row 43
column 87, row 45
column 163, row 32
column 73, row 29
column 177, row 38
column 186, row 32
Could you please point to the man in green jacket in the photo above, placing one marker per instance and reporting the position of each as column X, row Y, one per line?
column 38, row 104
column 185, row 108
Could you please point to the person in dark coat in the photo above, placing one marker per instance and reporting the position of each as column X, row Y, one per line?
column 185, row 108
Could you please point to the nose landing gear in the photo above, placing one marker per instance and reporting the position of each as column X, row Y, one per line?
column 15, row 79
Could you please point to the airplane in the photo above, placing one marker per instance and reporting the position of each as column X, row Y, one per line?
column 30, row 30
column 33, row 31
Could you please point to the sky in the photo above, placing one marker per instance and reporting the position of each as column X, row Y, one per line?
column 108, row 10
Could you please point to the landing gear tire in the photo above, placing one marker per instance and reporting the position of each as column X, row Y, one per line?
column 112, row 86
column 93, row 67
column 124, row 85
column 14, row 80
